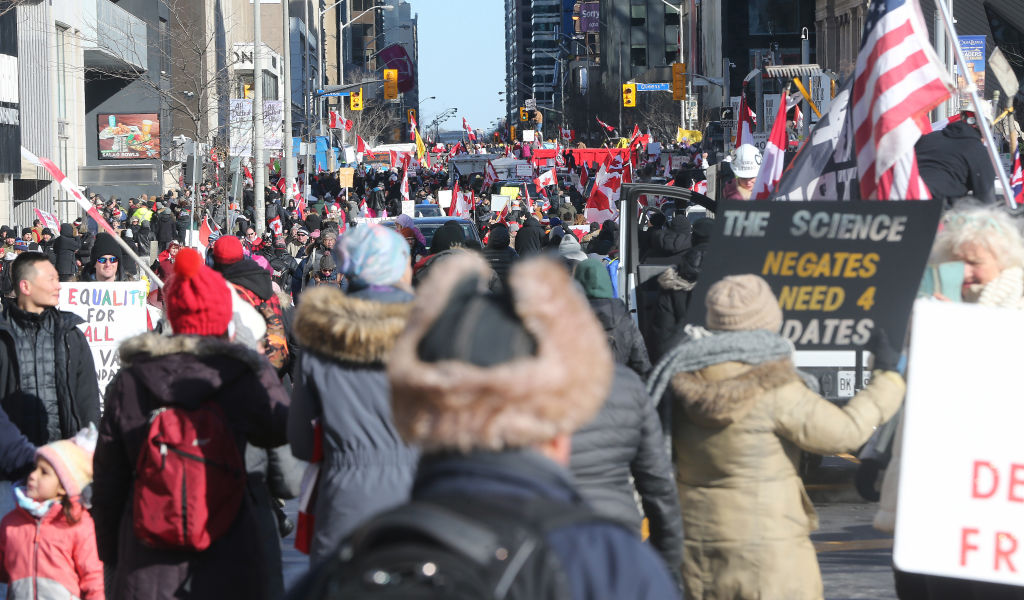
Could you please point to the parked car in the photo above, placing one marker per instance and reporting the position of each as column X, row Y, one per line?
column 428, row 210
column 429, row 226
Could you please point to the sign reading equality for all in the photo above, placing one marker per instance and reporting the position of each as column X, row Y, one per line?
column 113, row 312
column 839, row 269
column 960, row 516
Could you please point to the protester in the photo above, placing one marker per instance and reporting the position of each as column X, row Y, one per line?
column 17, row 454
column 954, row 162
column 65, row 247
column 48, row 543
column 106, row 260
column 34, row 333
column 497, row 449
column 738, row 409
column 676, row 285
column 621, row 332
column 530, row 238
column 746, row 162
column 341, row 386
column 197, row 371
column 500, row 256
column 164, row 226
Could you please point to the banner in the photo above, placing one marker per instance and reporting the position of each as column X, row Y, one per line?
column 346, row 177
column 973, row 47
column 113, row 312
column 240, row 126
column 960, row 516
column 838, row 270
column 129, row 136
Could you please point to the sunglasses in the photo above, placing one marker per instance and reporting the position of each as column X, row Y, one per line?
column 104, row 260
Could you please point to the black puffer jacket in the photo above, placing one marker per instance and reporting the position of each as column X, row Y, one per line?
column 49, row 381
column 65, row 248
column 677, row 285
column 530, row 239
column 627, row 344
column 625, row 439
column 954, row 161
column 164, row 226
column 669, row 243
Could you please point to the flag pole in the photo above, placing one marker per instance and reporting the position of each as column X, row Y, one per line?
column 972, row 89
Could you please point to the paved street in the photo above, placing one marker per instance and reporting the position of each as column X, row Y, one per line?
column 855, row 559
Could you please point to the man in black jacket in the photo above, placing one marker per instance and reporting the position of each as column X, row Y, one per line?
column 47, row 377
column 953, row 162
column 164, row 226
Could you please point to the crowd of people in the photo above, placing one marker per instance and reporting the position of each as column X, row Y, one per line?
column 474, row 412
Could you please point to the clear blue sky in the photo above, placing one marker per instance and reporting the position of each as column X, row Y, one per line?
column 462, row 60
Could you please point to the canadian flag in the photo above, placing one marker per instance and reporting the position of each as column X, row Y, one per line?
column 247, row 173
column 668, row 168
column 405, row 179
column 584, row 178
column 455, row 196
column 774, row 152
column 348, row 124
column 527, row 199
column 48, row 220
column 335, row 120
column 276, row 226
column 462, row 207
column 282, row 183
column 567, row 134
column 469, row 130
column 362, row 148
column 412, row 127
column 747, row 121
column 606, row 126
column 1017, row 178
column 490, row 175
column 546, row 179
column 605, row 195
column 204, row 232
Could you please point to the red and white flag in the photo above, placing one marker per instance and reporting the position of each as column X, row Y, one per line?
column 362, row 148
column 490, row 175
column 897, row 80
column 527, row 199
column 606, row 126
column 547, row 178
column 1017, row 178
column 771, row 165
column 567, row 134
column 405, row 179
column 412, row 127
column 469, row 130
column 746, row 122
column 584, row 178
column 668, row 168
column 276, row 226
column 944, row 123
column 48, row 220
column 247, row 173
column 605, row 194
column 335, row 120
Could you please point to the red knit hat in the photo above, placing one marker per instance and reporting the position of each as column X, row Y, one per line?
column 227, row 250
column 197, row 298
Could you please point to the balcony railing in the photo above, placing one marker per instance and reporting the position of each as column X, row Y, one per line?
column 114, row 39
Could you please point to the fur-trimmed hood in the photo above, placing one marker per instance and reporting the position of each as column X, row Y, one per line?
column 454, row 405
column 346, row 328
column 154, row 345
column 672, row 281
column 724, row 393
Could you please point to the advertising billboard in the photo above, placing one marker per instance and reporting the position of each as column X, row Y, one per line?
column 129, row 136
column 590, row 17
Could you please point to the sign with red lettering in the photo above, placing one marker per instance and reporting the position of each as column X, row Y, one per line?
column 961, row 489
column 113, row 312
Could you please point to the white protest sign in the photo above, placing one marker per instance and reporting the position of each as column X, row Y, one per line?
column 113, row 312
column 498, row 203
column 444, row 200
column 409, row 207
column 960, row 514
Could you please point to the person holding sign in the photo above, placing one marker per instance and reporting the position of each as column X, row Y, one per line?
column 740, row 415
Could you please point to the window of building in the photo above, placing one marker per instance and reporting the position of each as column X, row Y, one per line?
column 637, row 15
column 62, row 74
column 269, row 86
column 773, row 17
column 638, row 56
column 671, row 16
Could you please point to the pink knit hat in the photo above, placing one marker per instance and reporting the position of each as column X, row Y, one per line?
column 72, row 459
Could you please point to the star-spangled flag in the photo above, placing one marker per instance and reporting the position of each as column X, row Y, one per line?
column 1017, row 179
column 606, row 126
column 770, row 173
column 897, row 81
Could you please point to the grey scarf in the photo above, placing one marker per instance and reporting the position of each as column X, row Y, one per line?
column 751, row 347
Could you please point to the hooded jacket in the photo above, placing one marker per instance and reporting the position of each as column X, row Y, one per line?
column 530, row 238
column 621, row 449
column 65, row 247
column 184, row 370
column 738, row 429
column 341, row 385
column 953, row 161
column 47, row 378
column 668, row 243
column 498, row 253
column 48, row 557
column 623, row 336
column 164, row 226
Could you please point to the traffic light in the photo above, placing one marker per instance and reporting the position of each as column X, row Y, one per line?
column 524, row 115
column 390, row 84
column 356, row 100
column 679, row 81
column 629, row 94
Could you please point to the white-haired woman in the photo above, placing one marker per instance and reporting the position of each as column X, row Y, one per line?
column 989, row 244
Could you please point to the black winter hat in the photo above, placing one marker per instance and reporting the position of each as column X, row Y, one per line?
column 447, row 236
column 104, row 245
column 47, row 231
column 702, row 231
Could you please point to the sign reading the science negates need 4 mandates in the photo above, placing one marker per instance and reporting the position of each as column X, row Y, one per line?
column 113, row 312
column 839, row 269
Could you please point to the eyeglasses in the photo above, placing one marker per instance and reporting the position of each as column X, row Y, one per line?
column 105, row 259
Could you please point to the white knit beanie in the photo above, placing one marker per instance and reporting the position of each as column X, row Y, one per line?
column 742, row 302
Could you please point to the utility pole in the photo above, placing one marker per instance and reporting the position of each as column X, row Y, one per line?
column 805, row 57
column 259, row 210
column 307, row 100
column 287, row 163
column 343, row 21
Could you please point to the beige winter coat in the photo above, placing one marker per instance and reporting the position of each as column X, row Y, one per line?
column 737, row 433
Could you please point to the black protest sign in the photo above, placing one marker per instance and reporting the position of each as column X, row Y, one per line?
column 839, row 269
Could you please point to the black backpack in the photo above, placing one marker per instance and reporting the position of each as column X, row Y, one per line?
column 455, row 549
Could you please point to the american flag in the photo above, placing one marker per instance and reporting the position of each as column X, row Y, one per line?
column 1017, row 178
column 898, row 79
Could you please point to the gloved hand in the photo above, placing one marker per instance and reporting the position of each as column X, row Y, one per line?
column 887, row 358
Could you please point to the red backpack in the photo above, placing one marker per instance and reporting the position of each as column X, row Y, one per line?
column 190, row 478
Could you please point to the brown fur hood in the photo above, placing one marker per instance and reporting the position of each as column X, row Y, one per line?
column 722, row 394
column 147, row 345
column 672, row 281
column 454, row 405
column 348, row 329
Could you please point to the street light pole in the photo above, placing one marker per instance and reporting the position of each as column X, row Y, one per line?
column 287, row 164
column 259, row 210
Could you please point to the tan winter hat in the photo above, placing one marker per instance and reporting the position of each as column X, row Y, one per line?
column 742, row 302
